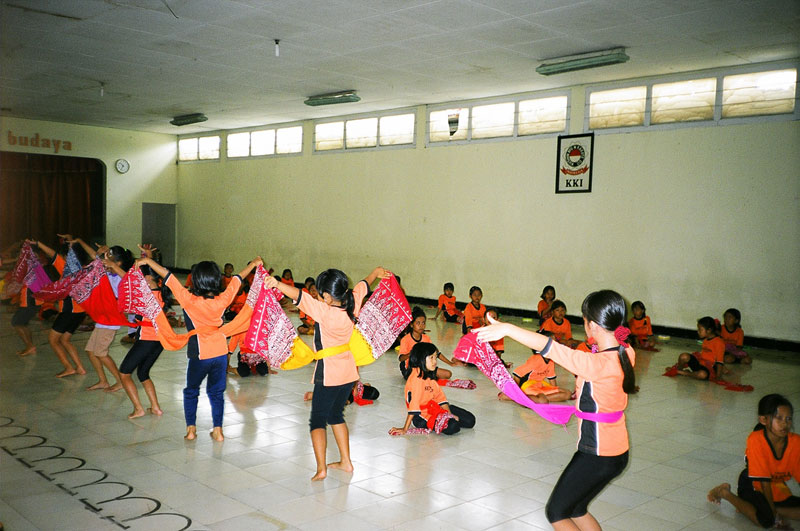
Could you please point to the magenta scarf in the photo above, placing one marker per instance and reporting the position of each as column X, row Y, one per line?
column 385, row 314
column 470, row 350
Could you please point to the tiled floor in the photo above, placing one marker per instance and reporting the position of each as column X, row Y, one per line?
column 71, row 459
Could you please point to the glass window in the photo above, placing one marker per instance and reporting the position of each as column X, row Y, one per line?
column 187, row 149
column 683, row 101
column 208, row 147
column 329, row 136
column 262, row 142
column 239, row 145
column 361, row 133
column 759, row 93
column 289, row 140
column 449, row 124
column 543, row 115
column 617, row 108
column 489, row 121
column 398, row 129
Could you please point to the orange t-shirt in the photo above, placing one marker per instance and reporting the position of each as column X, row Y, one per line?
column 712, row 352
column 472, row 315
column 188, row 282
column 640, row 327
column 561, row 331
column 584, row 346
column 59, row 263
column 599, row 390
column 226, row 281
column 499, row 345
column 449, row 303
column 420, row 391
column 288, row 281
column 735, row 338
column 541, row 309
column 205, row 316
column 408, row 342
column 335, row 329
column 147, row 332
column 308, row 321
column 762, row 465
column 535, row 369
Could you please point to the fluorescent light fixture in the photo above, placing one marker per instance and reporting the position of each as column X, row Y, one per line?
column 570, row 63
column 344, row 96
column 188, row 119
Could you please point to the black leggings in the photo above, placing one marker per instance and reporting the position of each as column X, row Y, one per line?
column 141, row 356
column 764, row 513
column 583, row 479
column 465, row 420
column 450, row 318
column 327, row 405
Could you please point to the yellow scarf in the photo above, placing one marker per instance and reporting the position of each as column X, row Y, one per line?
column 302, row 354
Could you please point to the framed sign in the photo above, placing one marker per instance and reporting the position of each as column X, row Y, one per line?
column 574, row 163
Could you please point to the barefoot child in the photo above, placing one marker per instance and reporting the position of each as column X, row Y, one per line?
column 641, row 329
column 418, row 335
column 605, row 378
column 475, row 312
column 334, row 375
column 559, row 325
column 708, row 363
column 447, row 305
column 772, row 456
column 544, row 307
column 732, row 334
column 203, row 307
column 537, row 378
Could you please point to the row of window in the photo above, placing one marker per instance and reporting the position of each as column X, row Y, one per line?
column 752, row 94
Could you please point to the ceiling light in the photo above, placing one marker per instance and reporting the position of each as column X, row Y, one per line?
column 344, row 96
column 570, row 63
column 188, row 119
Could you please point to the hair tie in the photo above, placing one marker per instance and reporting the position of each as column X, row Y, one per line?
column 621, row 334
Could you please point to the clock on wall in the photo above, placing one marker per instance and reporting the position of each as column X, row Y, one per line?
column 122, row 165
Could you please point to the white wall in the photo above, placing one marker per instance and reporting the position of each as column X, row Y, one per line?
column 152, row 176
column 690, row 220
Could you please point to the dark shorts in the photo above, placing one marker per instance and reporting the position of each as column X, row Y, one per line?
column 140, row 358
column 405, row 370
column 695, row 365
column 67, row 323
column 764, row 513
column 24, row 315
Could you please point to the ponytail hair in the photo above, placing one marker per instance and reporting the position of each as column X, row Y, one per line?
column 334, row 282
column 607, row 309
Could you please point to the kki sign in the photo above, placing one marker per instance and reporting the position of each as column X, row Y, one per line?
column 574, row 163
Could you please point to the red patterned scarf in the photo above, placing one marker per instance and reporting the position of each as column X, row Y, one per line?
column 271, row 334
column 96, row 296
column 384, row 316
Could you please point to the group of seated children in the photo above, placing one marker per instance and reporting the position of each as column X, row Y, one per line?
column 721, row 344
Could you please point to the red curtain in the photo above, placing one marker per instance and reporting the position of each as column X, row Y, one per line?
column 41, row 195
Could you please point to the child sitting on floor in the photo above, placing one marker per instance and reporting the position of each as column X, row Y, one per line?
column 427, row 405
column 641, row 329
column 732, row 334
column 708, row 363
column 544, row 308
column 537, row 378
column 447, row 305
column 559, row 325
column 307, row 326
column 475, row 312
column 415, row 336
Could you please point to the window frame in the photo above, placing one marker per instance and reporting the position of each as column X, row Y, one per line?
column 361, row 116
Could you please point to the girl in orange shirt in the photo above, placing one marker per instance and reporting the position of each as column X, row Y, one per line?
column 641, row 329
column 708, row 363
column 605, row 378
column 733, row 336
column 334, row 375
column 544, row 307
column 559, row 325
column 772, row 457
column 475, row 312
column 415, row 336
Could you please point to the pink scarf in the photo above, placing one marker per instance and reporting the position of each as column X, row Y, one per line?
column 470, row 350
column 384, row 316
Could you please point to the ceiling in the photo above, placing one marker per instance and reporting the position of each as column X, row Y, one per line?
column 156, row 59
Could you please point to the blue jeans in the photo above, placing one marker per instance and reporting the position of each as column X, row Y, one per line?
column 196, row 372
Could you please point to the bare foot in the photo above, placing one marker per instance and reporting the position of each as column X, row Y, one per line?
column 191, row 433
column 66, row 372
column 308, row 395
column 136, row 414
column 216, row 434
column 715, row 494
column 502, row 396
column 341, row 466
column 320, row 475
column 155, row 411
column 539, row 399
column 98, row 385
column 116, row 387
column 271, row 371
column 26, row 352
column 232, row 370
column 80, row 370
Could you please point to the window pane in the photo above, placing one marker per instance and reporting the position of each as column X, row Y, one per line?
column 290, row 140
column 362, row 133
column 397, row 129
column 262, row 142
column 544, row 115
column 759, row 93
column 187, row 149
column 440, row 128
column 617, row 108
column 208, row 147
column 239, row 145
column 329, row 136
column 684, row 101
column 495, row 120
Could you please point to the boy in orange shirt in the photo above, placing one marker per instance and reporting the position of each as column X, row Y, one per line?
column 447, row 305
column 559, row 325
column 708, row 363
